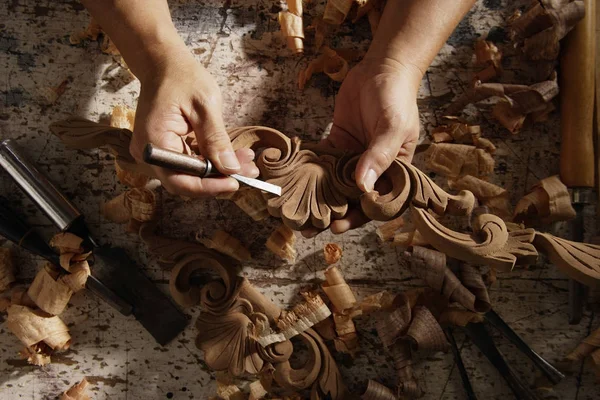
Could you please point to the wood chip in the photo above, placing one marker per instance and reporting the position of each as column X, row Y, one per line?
column 336, row 11
column 332, row 253
column 334, row 63
column 37, row 355
column 547, row 202
column 35, row 326
column 337, row 290
column 48, row 291
column 282, row 243
column 292, row 27
column 257, row 391
column 224, row 243
column 66, row 242
column 77, row 391
column 385, row 232
column 376, row 391
column 303, row 316
column 251, row 201
column 456, row 160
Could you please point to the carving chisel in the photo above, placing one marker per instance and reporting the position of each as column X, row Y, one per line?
column 460, row 365
column 110, row 265
column 577, row 160
column 192, row 165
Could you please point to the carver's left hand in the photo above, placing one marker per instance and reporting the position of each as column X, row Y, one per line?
column 375, row 113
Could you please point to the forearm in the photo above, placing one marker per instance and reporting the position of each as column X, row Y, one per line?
column 412, row 32
column 142, row 30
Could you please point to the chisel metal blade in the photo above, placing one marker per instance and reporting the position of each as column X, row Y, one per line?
column 257, row 183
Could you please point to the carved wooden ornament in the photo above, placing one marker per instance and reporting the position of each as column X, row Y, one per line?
column 318, row 186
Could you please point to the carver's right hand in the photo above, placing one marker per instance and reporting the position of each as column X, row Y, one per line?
column 180, row 96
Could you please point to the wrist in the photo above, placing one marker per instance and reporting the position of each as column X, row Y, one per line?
column 410, row 74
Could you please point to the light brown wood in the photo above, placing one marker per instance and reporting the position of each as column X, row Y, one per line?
column 577, row 83
column 547, row 202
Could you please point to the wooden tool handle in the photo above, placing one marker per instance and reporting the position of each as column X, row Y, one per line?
column 577, row 82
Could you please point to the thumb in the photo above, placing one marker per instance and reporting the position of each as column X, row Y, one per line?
column 213, row 140
column 380, row 154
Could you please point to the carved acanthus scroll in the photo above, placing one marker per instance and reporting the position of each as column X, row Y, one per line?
column 318, row 186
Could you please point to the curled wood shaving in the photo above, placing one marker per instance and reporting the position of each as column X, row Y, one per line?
column 38, row 354
column 135, row 206
column 430, row 265
column 425, row 332
column 303, row 316
column 50, row 293
column 332, row 253
column 7, row 268
column 376, row 391
column 20, row 297
column 541, row 27
column 385, row 232
column 282, row 243
column 456, row 130
column 409, row 236
column 496, row 198
column 229, row 392
column 456, row 160
column 257, row 391
column 291, row 26
column 347, row 339
column 251, row 201
column 122, row 117
column 4, row 304
column 407, row 382
column 35, row 326
column 336, row 11
column 547, row 202
column 381, row 301
column 116, row 210
column 334, row 63
column 53, row 93
column 224, row 243
column 265, row 335
column 77, row 391
column 66, row 242
column 337, row 289
column 586, row 347
column 509, row 117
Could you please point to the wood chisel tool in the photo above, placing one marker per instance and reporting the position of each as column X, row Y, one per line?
column 109, row 265
column 577, row 160
column 466, row 382
column 192, row 165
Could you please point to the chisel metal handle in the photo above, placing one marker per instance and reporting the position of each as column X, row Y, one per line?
column 36, row 186
column 460, row 365
column 180, row 162
column 544, row 366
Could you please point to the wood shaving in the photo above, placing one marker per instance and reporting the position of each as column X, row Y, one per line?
column 37, row 355
column 251, row 201
column 49, row 292
column 52, row 94
column 134, row 206
column 77, row 391
column 587, row 348
column 291, row 26
column 509, row 117
column 334, row 63
column 122, row 117
column 4, row 304
column 409, row 236
column 303, row 316
column 459, row 317
column 257, row 391
column 228, row 245
column 337, row 290
column 282, row 243
column 33, row 327
column 66, row 242
column 376, row 391
column 336, row 11
column 457, row 131
column 539, row 29
column 488, row 55
column 332, row 253
column 456, row 160
column 548, row 201
column 385, row 232
column 7, row 268
column 20, row 297
column 381, row 301
column 496, row 198
column 347, row 339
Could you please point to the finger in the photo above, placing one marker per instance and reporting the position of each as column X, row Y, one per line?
column 382, row 151
column 191, row 186
column 213, row 140
column 342, row 139
column 407, row 152
column 246, row 158
column 354, row 219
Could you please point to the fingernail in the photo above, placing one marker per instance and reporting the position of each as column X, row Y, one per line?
column 229, row 160
column 368, row 180
column 255, row 171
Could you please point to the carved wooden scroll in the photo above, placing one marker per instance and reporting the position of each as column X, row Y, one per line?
column 233, row 316
column 318, row 186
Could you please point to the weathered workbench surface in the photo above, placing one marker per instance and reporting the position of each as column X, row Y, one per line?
column 240, row 44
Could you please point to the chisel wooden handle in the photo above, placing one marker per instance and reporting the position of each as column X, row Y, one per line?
column 577, row 83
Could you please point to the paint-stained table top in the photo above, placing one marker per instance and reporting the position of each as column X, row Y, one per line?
column 239, row 42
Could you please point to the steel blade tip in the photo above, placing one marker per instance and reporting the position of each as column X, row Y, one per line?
column 257, row 183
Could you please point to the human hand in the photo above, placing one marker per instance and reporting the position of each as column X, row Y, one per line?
column 375, row 112
column 179, row 96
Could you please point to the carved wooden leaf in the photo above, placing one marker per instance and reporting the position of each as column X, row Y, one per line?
column 580, row 261
column 226, row 342
column 490, row 244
